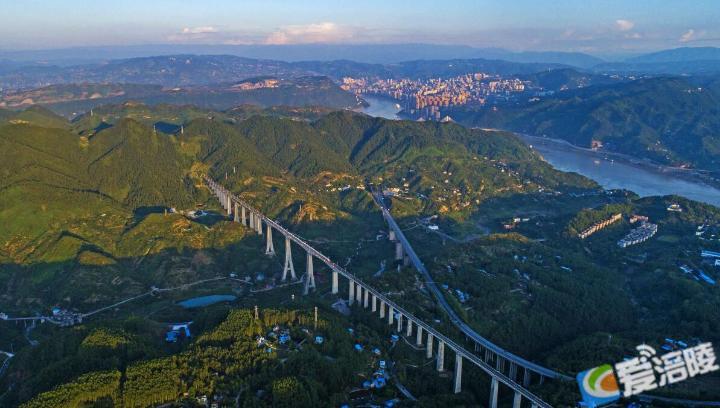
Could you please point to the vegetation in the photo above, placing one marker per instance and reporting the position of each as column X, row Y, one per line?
column 669, row 120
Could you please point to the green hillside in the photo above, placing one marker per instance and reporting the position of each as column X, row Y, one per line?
column 669, row 120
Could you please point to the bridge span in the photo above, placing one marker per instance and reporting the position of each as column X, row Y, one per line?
column 492, row 352
column 364, row 296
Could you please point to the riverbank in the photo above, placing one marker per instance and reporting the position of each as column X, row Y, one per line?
column 614, row 170
column 694, row 175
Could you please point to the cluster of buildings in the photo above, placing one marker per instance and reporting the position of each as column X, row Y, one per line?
column 66, row 318
column 462, row 296
column 599, row 226
column 424, row 98
column 640, row 234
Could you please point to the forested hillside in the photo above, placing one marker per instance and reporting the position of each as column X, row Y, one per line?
column 673, row 121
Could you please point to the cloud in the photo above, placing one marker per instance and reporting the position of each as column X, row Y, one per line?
column 688, row 36
column 199, row 30
column 633, row 36
column 624, row 25
column 326, row 32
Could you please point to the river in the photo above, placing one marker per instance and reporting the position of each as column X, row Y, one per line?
column 381, row 107
column 643, row 180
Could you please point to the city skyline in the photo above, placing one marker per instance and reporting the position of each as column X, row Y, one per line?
column 600, row 28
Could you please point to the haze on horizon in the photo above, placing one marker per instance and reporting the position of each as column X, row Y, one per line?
column 600, row 28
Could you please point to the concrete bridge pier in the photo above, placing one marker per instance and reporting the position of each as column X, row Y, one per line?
column 406, row 260
column 398, row 251
column 269, row 247
column 500, row 364
column 358, row 293
column 440, row 362
column 429, row 348
column 513, row 371
column 251, row 223
column 400, row 323
column 236, row 213
column 391, row 235
column 258, row 225
column 310, row 275
column 334, row 282
column 488, row 355
column 229, row 204
column 458, row 373
column 374, row 304
column 351, row 293
column 517, row 400
column 526, row 377
column 366, row 298
column 408, row 331
column 493, row 393
column 243, row 217
column 391, row 315
column 418, row 336
column 382, row 309
column 288, row 261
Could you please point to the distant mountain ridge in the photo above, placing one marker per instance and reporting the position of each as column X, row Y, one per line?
column 365, row 53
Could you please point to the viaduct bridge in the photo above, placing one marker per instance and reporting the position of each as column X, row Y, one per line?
column 364, row 296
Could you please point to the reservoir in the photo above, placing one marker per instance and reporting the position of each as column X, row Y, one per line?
column 206, row 301
column 621, row 174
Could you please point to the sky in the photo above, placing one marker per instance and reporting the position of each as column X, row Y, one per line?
column 595, row 27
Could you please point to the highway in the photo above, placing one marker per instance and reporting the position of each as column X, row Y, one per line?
column 457, row 348
column 454, row 318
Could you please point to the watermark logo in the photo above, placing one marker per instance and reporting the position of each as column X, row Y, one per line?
column 646, row 372
column 598, row 385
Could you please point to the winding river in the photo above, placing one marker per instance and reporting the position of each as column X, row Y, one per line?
column 643, row 180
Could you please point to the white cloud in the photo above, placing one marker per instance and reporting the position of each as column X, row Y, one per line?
column 199, row 30
column 688, row 36
column 624, row 25
column 326, row 32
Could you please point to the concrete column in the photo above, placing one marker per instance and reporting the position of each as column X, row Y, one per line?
column 243, row 217
column 310, row 275
column 406, row 260
column 358, row 294
column 458, row 373
column 391, row 235
column 229, row 205
column 488, row 356
column 236, row 213
column 493, row 393
column 374, row 304
column 429, row 347
column 408, row 331
column 517, row 400
column 258, row 227
column 269, row 247
column 366, row 297
column 251, row 222
column 391, row 315
column 418, row 336
column 382, row 309
column 542, row 379
column 440, row 362
column 398, row 251
column 500, row 364
column 334, row 282
column 400, row 323
column 351, row 293
column 526, row 377
column 288, row 261
column 513, row 371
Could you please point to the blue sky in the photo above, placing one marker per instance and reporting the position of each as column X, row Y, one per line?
column 578, row 25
